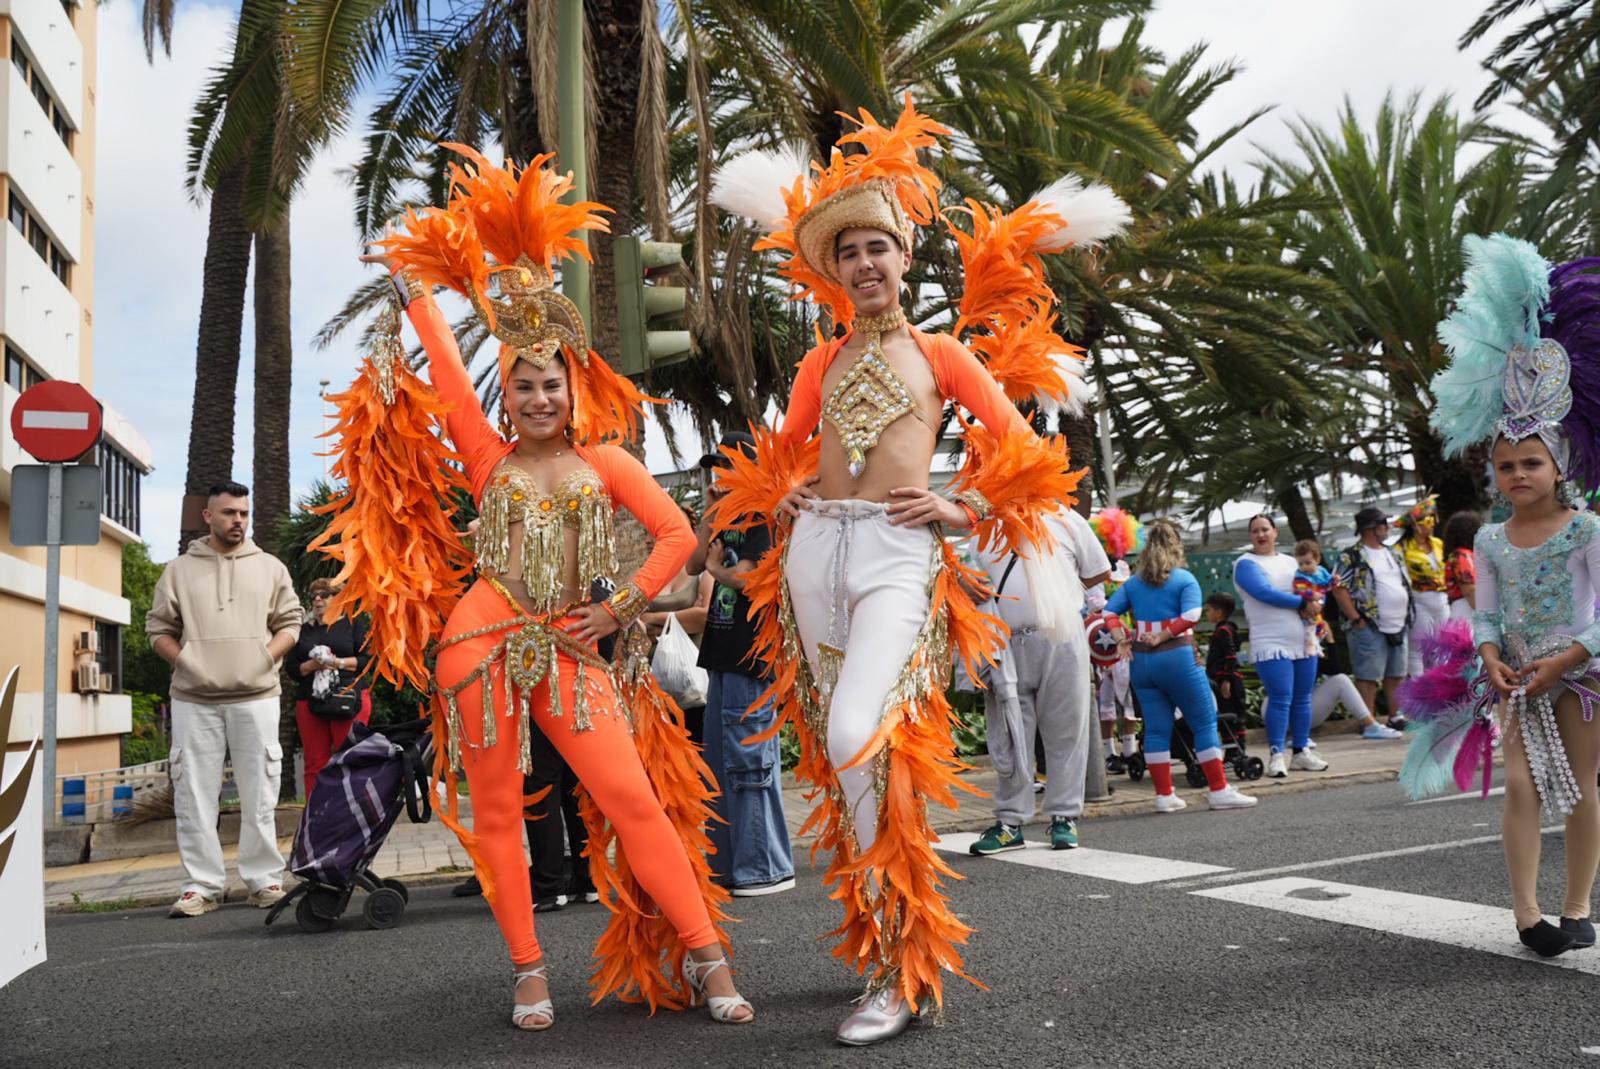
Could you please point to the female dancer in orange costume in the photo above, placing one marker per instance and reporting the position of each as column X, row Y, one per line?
column 521, row 643
column 862, row 605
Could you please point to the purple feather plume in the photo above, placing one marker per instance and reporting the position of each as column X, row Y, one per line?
column 1450, row 643
column 1477, row 749
column 1572, row 317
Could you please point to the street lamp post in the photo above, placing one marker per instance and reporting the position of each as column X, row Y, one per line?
column 322, row 395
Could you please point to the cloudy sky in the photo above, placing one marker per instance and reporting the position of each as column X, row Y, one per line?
column 1301, row 58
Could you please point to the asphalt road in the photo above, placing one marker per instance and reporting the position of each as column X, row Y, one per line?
column 1081, row 970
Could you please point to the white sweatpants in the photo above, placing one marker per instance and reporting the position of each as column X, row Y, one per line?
column 202, row 736
column 1433, row 609
column 854, row 577
column 1332, row 692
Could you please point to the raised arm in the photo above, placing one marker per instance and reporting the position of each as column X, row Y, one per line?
column 473, row 436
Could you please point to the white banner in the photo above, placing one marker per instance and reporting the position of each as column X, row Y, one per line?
column 21, row 850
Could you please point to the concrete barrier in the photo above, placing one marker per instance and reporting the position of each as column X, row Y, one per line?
column 114, row 841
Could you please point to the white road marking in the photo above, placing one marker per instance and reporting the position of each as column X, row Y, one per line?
column 1476, row 794
column 1353, row 859
column 1469, row 925
column 1099, row 864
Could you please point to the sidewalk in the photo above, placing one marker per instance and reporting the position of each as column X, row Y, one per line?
column 429, row 853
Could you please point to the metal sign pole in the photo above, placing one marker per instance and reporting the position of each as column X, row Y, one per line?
column 52, row 641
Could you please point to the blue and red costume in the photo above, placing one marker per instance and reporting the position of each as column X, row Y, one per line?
column 1166, row 676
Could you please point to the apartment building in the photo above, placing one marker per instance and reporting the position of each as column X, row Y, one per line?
column 47, row 169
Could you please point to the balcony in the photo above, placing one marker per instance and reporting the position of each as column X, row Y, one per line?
column 50, row 38
column 40, row 167
column 37, row 313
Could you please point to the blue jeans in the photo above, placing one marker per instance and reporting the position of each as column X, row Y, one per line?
column 1372, row 658
column 1171, row 678
column 751, row 838
column 1289, row 683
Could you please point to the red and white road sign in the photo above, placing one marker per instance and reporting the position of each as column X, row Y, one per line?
column 57, row 422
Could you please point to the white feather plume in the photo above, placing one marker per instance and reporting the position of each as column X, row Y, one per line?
column 752, row 183
column 1080, row 391
column 1093, row 213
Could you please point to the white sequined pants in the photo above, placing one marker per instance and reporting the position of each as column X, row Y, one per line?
column 856, row 579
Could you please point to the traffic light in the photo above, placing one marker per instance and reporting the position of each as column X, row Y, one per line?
column 643, row 309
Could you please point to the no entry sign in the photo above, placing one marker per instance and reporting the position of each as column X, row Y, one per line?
column 57, row 422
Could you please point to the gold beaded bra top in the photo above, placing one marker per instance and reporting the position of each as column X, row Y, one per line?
column 579, row 501
column 872, row 396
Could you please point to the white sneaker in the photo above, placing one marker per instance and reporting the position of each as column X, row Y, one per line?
column 1376, row 730
column 192, row 904
column 1170, row 803
column 267, row 897
column 1306, row 761
column 1278, row 765
column 1229, row 798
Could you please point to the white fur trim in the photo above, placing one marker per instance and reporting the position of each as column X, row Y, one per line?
column 1049, row 588
column 752, row 183
column 1093, row 213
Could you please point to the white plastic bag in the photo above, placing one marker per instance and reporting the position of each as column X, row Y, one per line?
column 675, row 667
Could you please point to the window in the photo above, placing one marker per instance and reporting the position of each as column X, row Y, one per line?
column 110, row 658
column 41, row 91
column 119, row 486
column 30, row 227
column 20, row 375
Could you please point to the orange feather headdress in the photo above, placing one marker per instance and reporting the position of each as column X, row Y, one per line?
column 496, row 242
column 1005, row 311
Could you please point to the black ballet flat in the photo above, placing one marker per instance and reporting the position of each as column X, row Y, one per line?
column 1546, row 940
column 1581, row 929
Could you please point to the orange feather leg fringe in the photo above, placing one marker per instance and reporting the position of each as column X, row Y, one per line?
column 898, row 929
column 404, row 564
column 640, row 957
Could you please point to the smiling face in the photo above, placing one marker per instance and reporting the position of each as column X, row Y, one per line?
column 1263, row 535
column 871, row 265
column 539, row 402
column 1524, row 471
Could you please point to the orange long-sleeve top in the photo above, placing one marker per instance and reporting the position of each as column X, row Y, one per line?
column 627, row 482
column 960, row 376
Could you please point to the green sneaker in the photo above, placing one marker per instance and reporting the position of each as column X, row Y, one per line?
column 1000, row 838
column 1063, row 834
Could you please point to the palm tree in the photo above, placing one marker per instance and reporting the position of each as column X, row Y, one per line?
column 1556, row 39
column 1402, row 195
column 1196, row 322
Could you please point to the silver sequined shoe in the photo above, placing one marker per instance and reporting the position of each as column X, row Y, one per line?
column 879, row 1017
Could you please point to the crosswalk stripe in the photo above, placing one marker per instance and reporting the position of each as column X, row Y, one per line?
column 1469, row 925
column 1084, row 861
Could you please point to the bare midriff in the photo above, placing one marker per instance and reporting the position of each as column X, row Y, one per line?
column 511, row 579
column 904, row 450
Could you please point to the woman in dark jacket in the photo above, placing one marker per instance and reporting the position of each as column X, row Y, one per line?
column 337, row 648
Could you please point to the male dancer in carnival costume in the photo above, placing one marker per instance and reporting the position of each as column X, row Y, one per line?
column 519, row 646
column 861, row 605
column 1524, row 375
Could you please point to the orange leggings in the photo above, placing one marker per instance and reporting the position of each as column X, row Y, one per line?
column 605, row 762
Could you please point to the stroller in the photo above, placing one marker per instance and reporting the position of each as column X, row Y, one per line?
column 356, row 799
column 1230, row 729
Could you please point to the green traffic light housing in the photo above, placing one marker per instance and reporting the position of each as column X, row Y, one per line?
column 644, row 309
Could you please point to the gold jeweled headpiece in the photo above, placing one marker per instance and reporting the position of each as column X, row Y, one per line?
column 534, row 319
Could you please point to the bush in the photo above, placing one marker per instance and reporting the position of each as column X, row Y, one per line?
column 150, row 738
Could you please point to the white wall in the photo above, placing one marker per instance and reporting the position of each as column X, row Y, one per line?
column 39, row 164
column 37, row 313
column 49, row 37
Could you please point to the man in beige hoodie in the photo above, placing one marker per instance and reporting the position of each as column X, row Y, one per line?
column 223, row 616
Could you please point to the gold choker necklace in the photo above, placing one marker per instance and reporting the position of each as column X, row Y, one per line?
column 881, row 323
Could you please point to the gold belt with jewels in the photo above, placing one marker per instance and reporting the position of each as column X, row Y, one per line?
column 529, row 657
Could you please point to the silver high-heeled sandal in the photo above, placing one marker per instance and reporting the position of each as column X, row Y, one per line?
column 720, row 1007
column 522, row 1011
